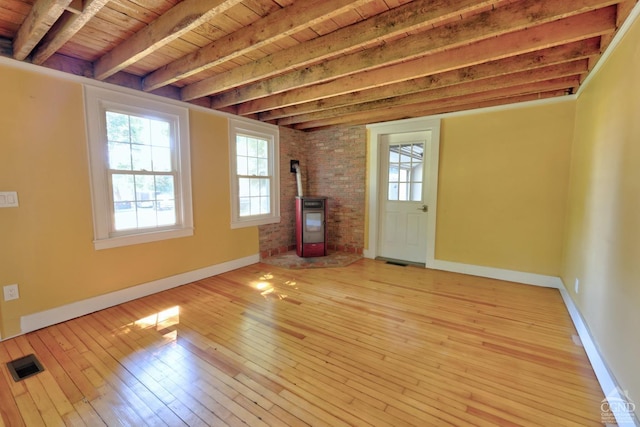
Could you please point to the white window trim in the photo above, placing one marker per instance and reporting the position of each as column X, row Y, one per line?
column 272, row 134
column 96, row 100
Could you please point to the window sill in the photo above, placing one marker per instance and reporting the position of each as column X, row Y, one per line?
column 135, row 239
column 254, row 222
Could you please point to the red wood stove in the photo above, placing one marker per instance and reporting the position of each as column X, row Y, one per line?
column 311, row 229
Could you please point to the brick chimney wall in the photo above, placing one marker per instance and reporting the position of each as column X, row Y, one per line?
column 338, row 171
column 333, row 163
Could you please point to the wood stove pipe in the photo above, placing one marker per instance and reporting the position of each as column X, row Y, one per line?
column 295, row 167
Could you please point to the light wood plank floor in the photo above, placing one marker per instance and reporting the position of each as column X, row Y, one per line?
column 369, row 344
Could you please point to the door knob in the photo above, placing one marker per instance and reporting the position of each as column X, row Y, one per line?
column 424, row 208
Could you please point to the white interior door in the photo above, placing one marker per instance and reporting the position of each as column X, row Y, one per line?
column 403, row 195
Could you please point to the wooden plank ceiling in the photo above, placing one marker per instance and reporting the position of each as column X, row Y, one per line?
column 310, row 64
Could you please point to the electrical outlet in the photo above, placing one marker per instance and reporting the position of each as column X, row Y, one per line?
column 577, row 285
column 8, row 199
column 11, row 292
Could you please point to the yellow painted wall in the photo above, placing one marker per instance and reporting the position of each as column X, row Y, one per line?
column 503, row 180
column 602, row 245
column 46, row 243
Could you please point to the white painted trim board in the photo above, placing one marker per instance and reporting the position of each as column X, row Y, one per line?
column 498, row 273
column 607, row 381
column 32, row 322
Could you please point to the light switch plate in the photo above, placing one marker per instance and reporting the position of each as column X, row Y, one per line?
column 8, row 199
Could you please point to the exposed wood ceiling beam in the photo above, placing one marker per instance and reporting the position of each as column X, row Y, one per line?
column 177, row 21
column 417, row 109
column 84, row 68
column 310, row 64
column 280, row 24
column 41, row 17
column 409, row 17
column 502, row 67
column 65, row 28
column 552, row 72
column 76, row 6
column 510, row 18
column 460, row 105
column 566, row 30
column 624, row 9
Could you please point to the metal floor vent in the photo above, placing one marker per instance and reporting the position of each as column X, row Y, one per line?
column 24, row 367
column 401, row 264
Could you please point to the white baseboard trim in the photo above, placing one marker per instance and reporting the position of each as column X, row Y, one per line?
column 489, row 272
column 63, row 313
column 497, row 273
column 608, row 383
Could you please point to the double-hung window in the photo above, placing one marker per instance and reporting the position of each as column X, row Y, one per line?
column 255, row 194
column 140, row 169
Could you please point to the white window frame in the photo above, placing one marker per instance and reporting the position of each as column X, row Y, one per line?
column 271, row 134
column 97, row 101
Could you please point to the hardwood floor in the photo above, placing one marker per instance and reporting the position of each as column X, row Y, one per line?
column 369, row 344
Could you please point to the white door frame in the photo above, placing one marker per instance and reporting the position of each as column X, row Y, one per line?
column 373, row 176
